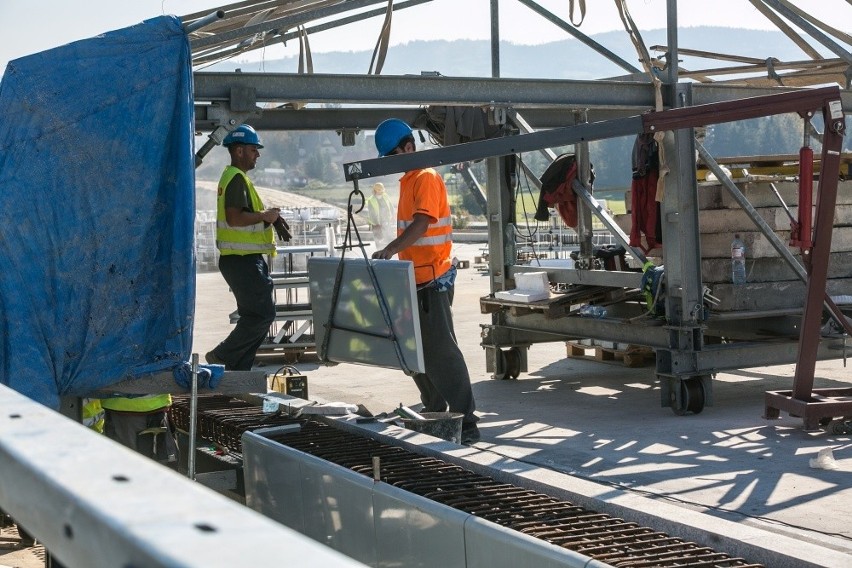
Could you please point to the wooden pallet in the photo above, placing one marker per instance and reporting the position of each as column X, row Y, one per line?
column 633, row 356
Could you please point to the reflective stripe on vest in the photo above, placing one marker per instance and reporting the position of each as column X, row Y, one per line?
column 442, row 222
column 145, row 403
column 431, row 241
column 252, row 239
column 93, row 414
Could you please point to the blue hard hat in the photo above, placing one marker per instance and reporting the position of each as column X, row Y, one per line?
column 389, row 134
column 242, row 134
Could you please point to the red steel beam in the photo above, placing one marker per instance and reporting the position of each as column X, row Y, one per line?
column 802, row 102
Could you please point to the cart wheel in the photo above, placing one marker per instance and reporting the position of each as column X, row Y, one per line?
column 691, row 397
column 508, row 365
column 500, row 373
column 512, row 361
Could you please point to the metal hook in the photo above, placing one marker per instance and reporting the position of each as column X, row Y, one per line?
column 359, row 193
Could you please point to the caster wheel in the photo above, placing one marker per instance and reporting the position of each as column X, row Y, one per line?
column 512, row 359
column 508, row 364
column 691, row 397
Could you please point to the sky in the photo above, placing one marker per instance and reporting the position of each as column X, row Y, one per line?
column 30, row 26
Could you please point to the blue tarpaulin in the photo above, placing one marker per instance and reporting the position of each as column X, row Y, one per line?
column 97, row 202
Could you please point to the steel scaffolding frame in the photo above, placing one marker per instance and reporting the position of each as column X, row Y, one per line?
column 226, row 99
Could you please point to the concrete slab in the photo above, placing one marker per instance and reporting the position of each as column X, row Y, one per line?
column 726, row 222
column 718, row 245
column 603, row 422
column 770, row 269
column 757, row 296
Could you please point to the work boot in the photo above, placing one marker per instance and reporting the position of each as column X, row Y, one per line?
column 470, row 434
column 213, row 359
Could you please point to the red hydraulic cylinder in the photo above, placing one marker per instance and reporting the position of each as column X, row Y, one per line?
column 802, row 231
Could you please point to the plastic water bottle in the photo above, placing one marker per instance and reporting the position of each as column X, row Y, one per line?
column 738, row 252
column 590, row 311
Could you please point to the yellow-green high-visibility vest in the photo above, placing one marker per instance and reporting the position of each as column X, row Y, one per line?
column 144, row 403
column 253, row 239
column 93, row 414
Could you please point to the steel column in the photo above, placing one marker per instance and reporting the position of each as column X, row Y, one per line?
column 495, row 38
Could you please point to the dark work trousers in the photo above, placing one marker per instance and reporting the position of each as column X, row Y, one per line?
column 446, row 382
column 147, row 433
column 248, row 277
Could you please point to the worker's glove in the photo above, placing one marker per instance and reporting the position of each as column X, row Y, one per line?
column 208, row 375
column 282, row 229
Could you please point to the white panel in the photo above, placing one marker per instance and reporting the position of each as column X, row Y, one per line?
column 415, row 532
column 493, row 546
column 359, row 315
column 273, row 481
column 339, row 508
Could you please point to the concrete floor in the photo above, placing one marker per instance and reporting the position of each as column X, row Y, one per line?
column 603, row 422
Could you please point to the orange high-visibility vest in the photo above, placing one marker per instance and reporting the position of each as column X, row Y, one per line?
column 424, row 192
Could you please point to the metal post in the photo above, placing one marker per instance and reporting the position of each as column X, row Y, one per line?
column 584, row 215
column 495, row 38
column 673, row 67
column 193, row 419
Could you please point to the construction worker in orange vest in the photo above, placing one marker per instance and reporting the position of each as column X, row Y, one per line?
column 424, row 237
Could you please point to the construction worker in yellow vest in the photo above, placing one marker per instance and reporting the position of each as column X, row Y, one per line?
column 381, row 216
column 141, row 423
column 244, row 234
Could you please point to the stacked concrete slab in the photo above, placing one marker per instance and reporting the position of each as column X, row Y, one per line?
column 771, row 283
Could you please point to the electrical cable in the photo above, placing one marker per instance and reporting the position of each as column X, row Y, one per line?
column 531, row 234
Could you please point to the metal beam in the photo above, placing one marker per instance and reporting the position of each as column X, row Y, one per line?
column 94, row 503
column 613, row 278
column 284, row 23
column 233, row 382
column 494, row 147
column 212, row 55
column 823, row 225
column 367, row 118
column 729, row 111
column 706, row 93
column 674, row 119
column 605, row 99
column 424, row 90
